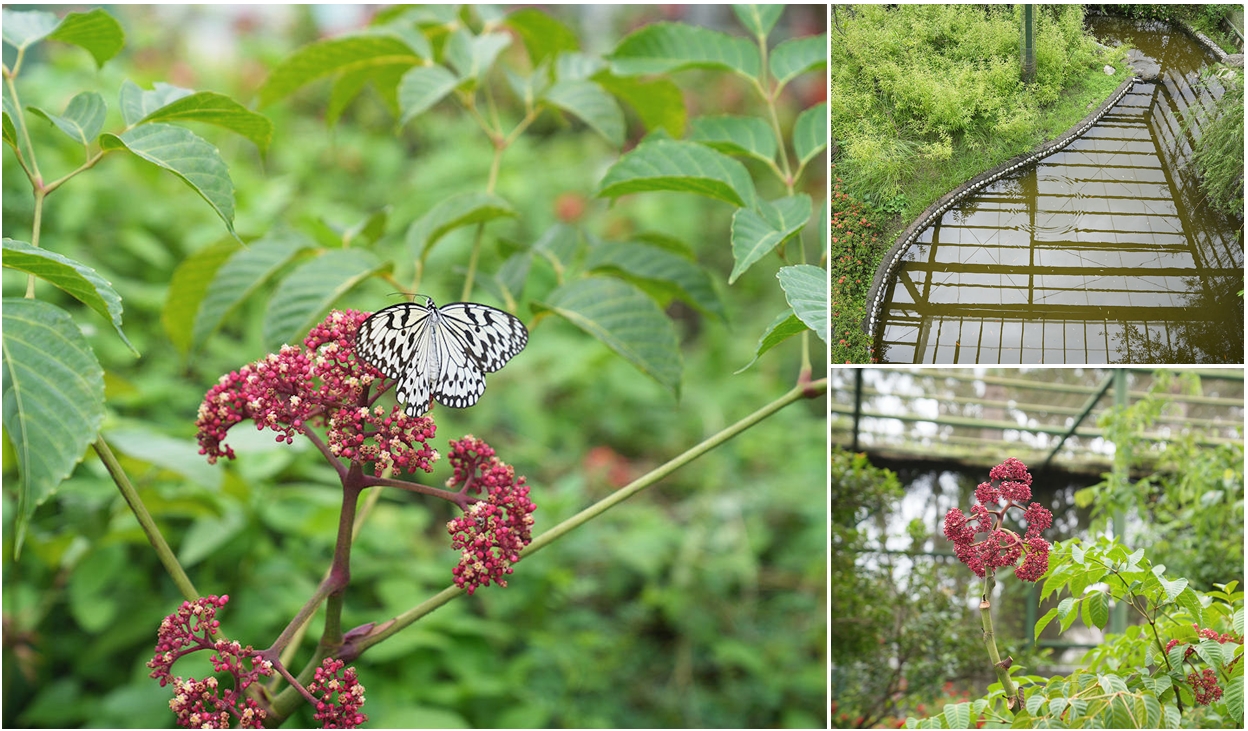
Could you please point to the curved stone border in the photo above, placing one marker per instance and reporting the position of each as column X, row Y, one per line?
column 888, row 267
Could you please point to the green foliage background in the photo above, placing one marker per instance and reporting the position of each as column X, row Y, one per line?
column 701, row 603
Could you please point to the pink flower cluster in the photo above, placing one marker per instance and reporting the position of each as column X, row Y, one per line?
column 203, row 703
column 344, row 711
column 1205, row 684
column 1008, row 481
column 492, row 531
column 322, row 382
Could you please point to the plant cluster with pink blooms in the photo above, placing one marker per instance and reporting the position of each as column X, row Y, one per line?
column 203, row 703
column 324, row 392
column 1009, row 486
column 1205, row 683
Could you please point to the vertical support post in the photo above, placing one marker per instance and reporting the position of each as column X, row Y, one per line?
column 857, row 405
column 1122, row 474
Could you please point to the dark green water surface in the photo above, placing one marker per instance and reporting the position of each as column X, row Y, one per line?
column 1104, row 252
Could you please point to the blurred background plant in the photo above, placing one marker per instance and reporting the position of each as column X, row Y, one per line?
column 701, row 604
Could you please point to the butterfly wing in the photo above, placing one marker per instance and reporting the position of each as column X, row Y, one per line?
column 399, row 341
column 459, row 381
column 489, row 335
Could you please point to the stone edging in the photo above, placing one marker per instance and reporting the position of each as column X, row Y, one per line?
column 1205, row 41
column 892, row 259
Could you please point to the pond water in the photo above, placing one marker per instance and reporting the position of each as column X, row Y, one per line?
column 1104, row 252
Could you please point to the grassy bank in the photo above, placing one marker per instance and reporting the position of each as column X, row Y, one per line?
column 923, row 98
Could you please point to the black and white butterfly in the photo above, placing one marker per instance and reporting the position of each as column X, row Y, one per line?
column 439, row 353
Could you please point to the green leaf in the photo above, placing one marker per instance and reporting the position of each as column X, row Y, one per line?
column 689, row 281
column 23, row 28
column 592, row 105
column 238, row 277
column 421, row 88
column 179, row 456
column 759, row 20
column 1189, row 601
column 1095, row 609
column 754, row 234
column 957, row 715
column 1057, row 705
column 734, row 135
column 304, row 295
column 795, row 57
column 187, row 156
column 1077, row 553
column 10, row 114
column 83, row 117
column 1173, row 717
column 529, row 88
column 785, row 326
column 665, row 47
column 1237, row 621
column 629, row 322
column 576, row 66
column 455, row 212
column 1044, row 622
column 1234, row 697
column 1034, row 702
column 686, row 167
column 137, row 104
column 1152, row 711
column 543, row 36
column 1211, row 652
column 810, row 132
column 472, row 56
column 208, row 533
column 365, row 53
column 79, row 280
column 369, row 230
column 1172, row 588
column 822, row 227
column 658, row 102
column 218, row 109
column 187, row 288
column 53, row 397
column 1112, row 683
column 96, row 31
column 806, row 289
column 557, row 245
column 1065, row 614
column 1120, row 711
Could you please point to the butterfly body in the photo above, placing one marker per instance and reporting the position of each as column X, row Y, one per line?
column 440, row 353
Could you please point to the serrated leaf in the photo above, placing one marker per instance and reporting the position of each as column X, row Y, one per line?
column 1065, row 614
column 1076, row 553
column 627, row 321
column 1211, row 652
column 1152, row 711
column 690, row 281
column 216, row 109
column 792, row 58
column 758, row 19
column 1034, row 703
column 1189, row 601
column 810, row 132
column 179, row 456
column 1234, row 697
column 1120, row 712
column 1133, row 561
column 96, row 31
column 1173, row 717
column 679, row 166
column 304, row 295
column 455, row 212
column 1044, row 622
column 1172, row 588
column 83, row 117
column 592, row 105
column 658, row 102
column 421, row 88
column 558, row 245
column 472, row 56
column 576, row 66
column 53, row 399
column 22, row 28
column 785, row 326
column 543, row 36
column 1111, row 683
column 806, row 289
column 757, row 232
column 187, row 156
column 78, row 280
column 136, row 103
column 1096, row 609
column 1237, row 622
column 661, row 48
column 735, row 135
column 1057, row 706
column 371, row 52
column 239, row 276
column 958, row 715
column 187, row 288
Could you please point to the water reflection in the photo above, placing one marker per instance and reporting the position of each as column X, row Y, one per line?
column 1103, row 253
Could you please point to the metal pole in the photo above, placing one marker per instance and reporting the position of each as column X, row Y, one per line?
column 857, row 405
column 1122, row 471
